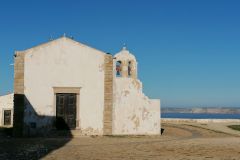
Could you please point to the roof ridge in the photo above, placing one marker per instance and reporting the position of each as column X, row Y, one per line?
column 63, row 37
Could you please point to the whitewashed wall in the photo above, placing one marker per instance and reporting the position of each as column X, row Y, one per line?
column 134, row 113
column 6, row 102
column 65, row 63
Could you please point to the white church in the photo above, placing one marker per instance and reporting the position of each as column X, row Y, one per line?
column 66, row 85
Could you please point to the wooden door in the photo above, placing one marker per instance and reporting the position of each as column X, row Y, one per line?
column 66, row 111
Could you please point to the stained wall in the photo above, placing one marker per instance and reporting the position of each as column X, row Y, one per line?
column 63, row 63
column 6, row 103
column 133, row 112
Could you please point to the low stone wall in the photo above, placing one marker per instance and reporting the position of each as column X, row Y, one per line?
column 180, row 120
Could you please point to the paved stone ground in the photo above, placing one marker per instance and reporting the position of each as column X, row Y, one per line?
column 179, row 141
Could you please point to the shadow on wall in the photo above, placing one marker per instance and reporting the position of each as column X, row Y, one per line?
column 34, row 140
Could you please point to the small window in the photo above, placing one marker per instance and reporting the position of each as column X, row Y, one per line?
column 118, row 68
column 7, row 117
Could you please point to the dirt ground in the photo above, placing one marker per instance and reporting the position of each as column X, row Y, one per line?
column 179, row 141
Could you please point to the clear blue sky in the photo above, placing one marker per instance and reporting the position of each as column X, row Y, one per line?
column 188, row 51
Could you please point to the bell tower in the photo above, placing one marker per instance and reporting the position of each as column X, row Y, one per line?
column 133, row 112
column 126, row 64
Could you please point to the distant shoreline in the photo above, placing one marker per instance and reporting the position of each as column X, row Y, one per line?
column 200, row 115
column 181, row 120
column 210, row 110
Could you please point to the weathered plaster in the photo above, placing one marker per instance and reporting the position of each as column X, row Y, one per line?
column 63, row 63
column 106, row 104
column 6, row 103
column 133, row 112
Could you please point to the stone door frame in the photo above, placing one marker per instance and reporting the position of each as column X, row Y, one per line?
column 75, row 90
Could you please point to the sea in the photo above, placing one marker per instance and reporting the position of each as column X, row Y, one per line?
column 200, row 116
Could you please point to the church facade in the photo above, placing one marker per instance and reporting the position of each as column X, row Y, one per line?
column 66, row 85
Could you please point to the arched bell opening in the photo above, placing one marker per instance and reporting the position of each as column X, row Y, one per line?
column 129, row 69
column 118, row 68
